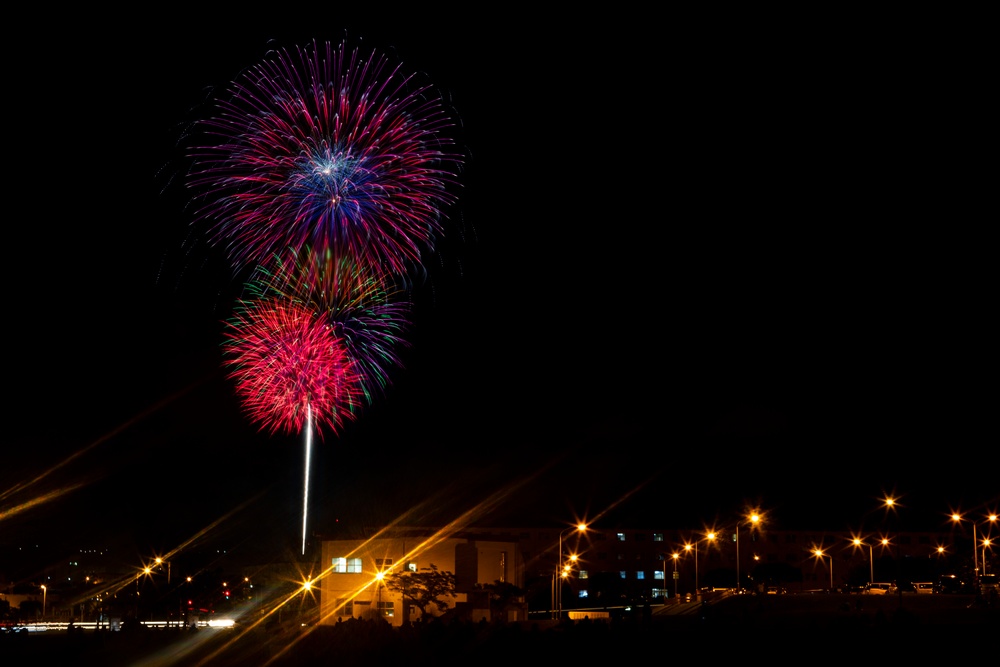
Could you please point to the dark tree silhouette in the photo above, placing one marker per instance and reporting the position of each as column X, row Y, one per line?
column 425, row 588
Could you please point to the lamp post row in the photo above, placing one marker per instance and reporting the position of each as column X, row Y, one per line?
column 753, row 520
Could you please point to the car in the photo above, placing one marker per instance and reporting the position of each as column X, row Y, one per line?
column 989, row 584
column 877, row 588
column 776, row 590
column 952, row 583
column 924, row 587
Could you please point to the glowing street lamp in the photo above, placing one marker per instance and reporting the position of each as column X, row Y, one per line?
column 819, row 554
column 675, row 556
column 986, row 543
column 379, row 577
column 562, row 571
column 160, row 561
column 44, row 593
column 958, row 518
column 871, row 563
column 754, row 519
column 687, row 547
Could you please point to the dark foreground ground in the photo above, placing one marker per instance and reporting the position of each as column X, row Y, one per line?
column 782, row 628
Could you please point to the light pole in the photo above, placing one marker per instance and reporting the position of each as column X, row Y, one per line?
column 986, row 542
column 711, row 538
column 44, row 593
column 675, row 556
column 819, row 554
column 890, row 506
column 754, row 520
column 957, row 518
column 160, row 561
column 688, row 547
column 560, row 571
column 379, row 576
column 871, row 563
column 992, row 518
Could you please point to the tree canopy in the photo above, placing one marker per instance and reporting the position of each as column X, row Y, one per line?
column 424, row 588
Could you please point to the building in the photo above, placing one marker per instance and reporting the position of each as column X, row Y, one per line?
column 612, row 568
column 356, row 575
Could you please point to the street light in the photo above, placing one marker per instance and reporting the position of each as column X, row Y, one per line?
column 675, row 556
column 44, row 592
column 688, row 547
column 871, row 562
column 754, row 520
column 711, row 538
column 986, row 542
column 379, row 576
column 160, row 561
column 819, row 554
column 560, row 571
column 957, row 518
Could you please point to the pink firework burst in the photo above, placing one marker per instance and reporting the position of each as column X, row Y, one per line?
column 286, row 362
column 361, row 306
column 323, row 147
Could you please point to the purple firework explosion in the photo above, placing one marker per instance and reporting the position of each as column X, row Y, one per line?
column 322, row 147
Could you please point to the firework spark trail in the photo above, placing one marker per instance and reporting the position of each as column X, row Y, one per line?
column 305, row 482
column 325, row 148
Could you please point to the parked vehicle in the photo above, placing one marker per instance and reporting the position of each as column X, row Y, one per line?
column 877, row 588
column 924, row 587
column 988, row 583
column 952, row 583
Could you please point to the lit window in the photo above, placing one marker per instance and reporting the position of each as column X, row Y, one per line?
column 583, row 574
column 346, row 565
column 640, row 574
column 657, row 537
column 386, row 609
column 658, row 574
column 621, row 537
column 411, row 567
column 583, row 594
column 623, row 574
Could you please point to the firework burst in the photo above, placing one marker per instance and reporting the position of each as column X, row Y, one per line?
column 323, row 147
column 360, row 306
column 290, row 370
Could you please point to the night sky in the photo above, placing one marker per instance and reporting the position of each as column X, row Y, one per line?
column 690, row 269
